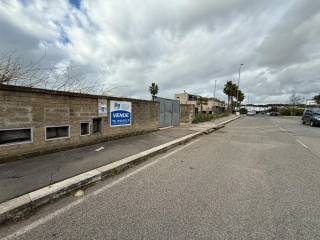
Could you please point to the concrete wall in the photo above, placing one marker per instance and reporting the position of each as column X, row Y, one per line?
column 37, row 108
column 187, row 113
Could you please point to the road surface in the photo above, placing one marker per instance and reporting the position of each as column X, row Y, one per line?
column 257, row 178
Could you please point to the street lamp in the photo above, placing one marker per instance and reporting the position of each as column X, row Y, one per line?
column 241, row 65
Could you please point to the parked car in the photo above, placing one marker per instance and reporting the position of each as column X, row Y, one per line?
column 311, row 116
column 251, row 113
column 274, row 114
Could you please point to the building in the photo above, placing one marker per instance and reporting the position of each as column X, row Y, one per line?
column 311, row 102
column 37, row 121
column 213, row 105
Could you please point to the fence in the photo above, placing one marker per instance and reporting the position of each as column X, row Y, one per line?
column 169, row 112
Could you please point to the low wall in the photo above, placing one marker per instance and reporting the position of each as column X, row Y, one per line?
column 38, row 109
column 187, row 113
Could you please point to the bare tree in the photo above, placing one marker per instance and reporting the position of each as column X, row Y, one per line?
column 14, row 70
column 295, row 100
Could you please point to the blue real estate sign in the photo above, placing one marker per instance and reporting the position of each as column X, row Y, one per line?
column 120, row 112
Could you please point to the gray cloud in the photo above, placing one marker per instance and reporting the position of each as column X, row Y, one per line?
column 289, row 42
column 181, row 45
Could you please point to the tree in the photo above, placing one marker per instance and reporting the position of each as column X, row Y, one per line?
column 15, row 70
column 153, row 89
column 317, row 99
column 202, row 101
column 243, row 111
column 241, row 98
column 234, row 90
column 294, row 100
column 230, row 89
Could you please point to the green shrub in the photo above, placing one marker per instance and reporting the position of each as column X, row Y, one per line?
column 288, row 111
column 243, row 111
column 202, row 117
column 285, row 111
column 299, row 111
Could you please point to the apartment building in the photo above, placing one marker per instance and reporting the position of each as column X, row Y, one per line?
column 213, row 105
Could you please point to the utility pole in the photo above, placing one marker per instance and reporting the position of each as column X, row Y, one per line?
column 214, row 108
column 241, row 65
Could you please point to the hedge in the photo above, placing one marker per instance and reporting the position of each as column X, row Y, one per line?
column 202, row 117
column 288, row 111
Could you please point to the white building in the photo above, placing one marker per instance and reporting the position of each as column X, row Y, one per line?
column 311, row 102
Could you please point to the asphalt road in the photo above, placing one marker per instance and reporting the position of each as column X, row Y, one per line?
column 257, row 178
column 18, row 178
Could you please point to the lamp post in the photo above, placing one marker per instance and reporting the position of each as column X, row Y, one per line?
column 238, row 109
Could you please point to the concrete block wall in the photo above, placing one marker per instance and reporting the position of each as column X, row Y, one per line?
column 22, row 107
column 187, row 113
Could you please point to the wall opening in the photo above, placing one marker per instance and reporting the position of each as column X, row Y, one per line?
column 97, row 125
column 84, row 128
column 15, row 136
column 57, row 132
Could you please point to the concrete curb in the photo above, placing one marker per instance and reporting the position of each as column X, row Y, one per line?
column 19, row 206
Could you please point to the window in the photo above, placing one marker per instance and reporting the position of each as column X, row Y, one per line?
column 97, row 123
column 192, row 97
column 15, row 136
column 57, row 132
column 84, row 129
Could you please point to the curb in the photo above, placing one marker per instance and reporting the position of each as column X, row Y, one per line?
column 21, row 205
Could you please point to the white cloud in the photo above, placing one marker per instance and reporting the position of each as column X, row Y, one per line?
column 181, row 45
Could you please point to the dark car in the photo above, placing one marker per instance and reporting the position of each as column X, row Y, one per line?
column 274, row 114
column 311, row 116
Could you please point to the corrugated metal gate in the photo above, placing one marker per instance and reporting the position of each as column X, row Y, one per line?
column 169, row 112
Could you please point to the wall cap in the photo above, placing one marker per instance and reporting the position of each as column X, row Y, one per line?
column 13, row 88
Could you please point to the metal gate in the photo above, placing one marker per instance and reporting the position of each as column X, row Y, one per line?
column 169, row 112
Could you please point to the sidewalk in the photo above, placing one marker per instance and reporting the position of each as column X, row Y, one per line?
column 18, row 178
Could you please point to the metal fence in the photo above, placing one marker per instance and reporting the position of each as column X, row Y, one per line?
column 169, row 112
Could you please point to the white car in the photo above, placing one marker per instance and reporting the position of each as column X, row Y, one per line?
column 251, row 113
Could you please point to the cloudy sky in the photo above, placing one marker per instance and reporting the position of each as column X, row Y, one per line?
column 180, row 44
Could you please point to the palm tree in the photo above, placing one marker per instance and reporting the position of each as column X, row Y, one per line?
column 230, row 89
column 153, row 89
column 240, row 99
column 202, row 101
column 227, row 91
column 234, row 91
